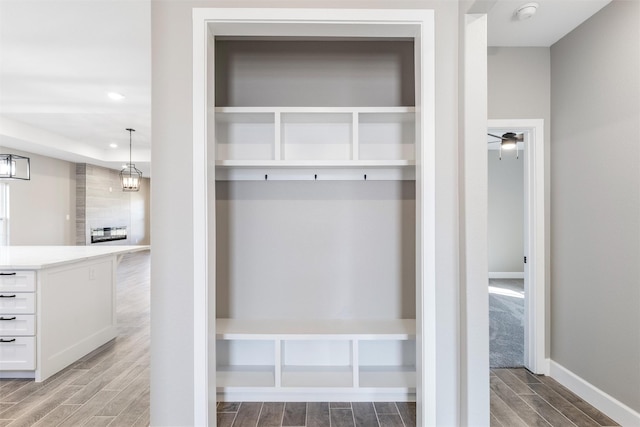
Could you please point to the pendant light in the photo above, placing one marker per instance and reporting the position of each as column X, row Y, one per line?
column 13, row 167
column 130, row 176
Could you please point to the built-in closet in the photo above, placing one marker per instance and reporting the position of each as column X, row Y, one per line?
column 318, row 142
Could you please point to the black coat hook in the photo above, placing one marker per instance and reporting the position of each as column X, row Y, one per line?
column 315, row 177
column 365, row 176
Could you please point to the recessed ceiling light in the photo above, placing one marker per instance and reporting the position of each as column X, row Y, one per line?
column 115, row 96
column 112, row 145
column 526, row 11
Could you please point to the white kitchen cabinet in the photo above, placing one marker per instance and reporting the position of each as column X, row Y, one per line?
column 57, row 304
column 17, row 320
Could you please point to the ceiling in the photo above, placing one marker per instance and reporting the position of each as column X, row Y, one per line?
column 60, row 58
column 553, row 20
column 58, row 61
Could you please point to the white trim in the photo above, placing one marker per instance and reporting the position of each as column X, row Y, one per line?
column 474, row 322
column 200, row 287
column 321, row 22
column 536, row 328
column 604, row 402
column 506, row 275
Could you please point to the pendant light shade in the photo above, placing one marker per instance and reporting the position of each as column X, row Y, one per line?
column 13, row 166
column 130, row 176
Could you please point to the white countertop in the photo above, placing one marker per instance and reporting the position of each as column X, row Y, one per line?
column 38, row 257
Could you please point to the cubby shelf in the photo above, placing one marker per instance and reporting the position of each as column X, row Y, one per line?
column 320, row 137
column 344, row 372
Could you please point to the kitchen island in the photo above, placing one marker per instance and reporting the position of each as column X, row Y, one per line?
column 57, row 304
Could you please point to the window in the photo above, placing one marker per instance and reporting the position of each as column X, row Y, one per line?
column 4, row 214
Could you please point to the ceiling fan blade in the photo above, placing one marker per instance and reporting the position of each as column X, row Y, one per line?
column 495, row 136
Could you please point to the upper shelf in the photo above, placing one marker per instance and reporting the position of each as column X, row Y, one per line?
column 249, row 329
column 314, row 137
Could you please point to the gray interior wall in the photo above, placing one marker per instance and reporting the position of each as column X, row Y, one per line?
column 42, row 210
column 102, row 203
column 506, row 212
column 596, row 201
column 315, row 250
column 172, row 343
column 519, row 84
column 363, row 73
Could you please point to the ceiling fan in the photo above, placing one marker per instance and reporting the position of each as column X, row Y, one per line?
column 508, row 141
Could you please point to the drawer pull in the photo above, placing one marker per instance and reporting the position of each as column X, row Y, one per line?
column 8, row 296
column 7, row 274
column 8, row 318
column 11, row 340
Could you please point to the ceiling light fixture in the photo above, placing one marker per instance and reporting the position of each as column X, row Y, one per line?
column 526, row 11
column 113, row 145
column 13, row 166
column 116, row 96
column 130, row 176
column 509, row 141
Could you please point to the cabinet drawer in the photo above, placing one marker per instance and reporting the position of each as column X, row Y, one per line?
column 20, row 281
column 17, row 302
column 17, row 324
column 17, row 353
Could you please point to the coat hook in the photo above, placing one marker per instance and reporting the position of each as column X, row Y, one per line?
column 365, row 176
column 265, row 177
column 315, row 177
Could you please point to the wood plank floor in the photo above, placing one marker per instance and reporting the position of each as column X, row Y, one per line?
column 110, row 387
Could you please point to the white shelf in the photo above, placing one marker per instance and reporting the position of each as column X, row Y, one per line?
column 317, row 354
column 314, row 137
column 314, row 110
column 313, row 163
column 250, row 329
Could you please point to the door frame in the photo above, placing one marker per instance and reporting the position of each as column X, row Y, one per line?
column 535, row 332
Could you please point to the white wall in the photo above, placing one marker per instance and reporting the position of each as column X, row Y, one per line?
column 172, row 265
column 595, row 197
column 39, row 207
column 506, row 212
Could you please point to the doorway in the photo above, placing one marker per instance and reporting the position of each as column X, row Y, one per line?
column 523, row 279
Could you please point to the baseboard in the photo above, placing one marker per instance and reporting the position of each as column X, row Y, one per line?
column 607, row 404
column 295, row 394
column 506, row 275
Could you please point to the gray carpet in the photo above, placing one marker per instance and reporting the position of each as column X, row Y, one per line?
column 506, row 323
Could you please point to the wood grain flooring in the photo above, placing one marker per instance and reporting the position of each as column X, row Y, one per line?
column 110, row 387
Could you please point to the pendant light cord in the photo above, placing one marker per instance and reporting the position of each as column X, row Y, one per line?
column 130, row 157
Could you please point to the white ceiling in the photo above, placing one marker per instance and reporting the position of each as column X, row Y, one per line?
column 58, row 61
column 60, row 58
column 553, row 20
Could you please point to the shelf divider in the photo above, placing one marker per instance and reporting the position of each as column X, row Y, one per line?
column 355, row 138
column 277, row 139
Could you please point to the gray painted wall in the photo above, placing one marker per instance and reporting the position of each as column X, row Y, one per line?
column 519, row 83
column 596, row 201
column 39, row 207
column 371, row 74
column 282, row 251
column 506, row 212
column 172, row 395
